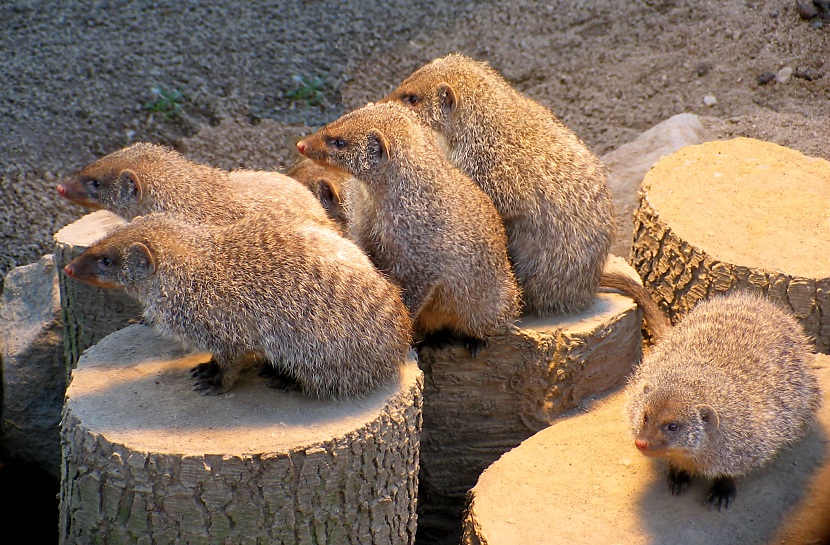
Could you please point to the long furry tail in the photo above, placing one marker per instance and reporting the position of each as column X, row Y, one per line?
column 657, row 322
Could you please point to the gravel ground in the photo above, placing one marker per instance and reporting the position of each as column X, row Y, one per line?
column 77, row 77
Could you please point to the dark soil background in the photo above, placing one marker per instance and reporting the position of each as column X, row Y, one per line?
column 78, row 76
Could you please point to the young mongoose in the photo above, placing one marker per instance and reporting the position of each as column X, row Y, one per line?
column 328, row 184
column 143, row 178
column 423, row 222
column 303, row 297
column 549, row 188
column 723, row 392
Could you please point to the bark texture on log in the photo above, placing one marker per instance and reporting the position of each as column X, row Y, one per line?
column 737, row 215
column 477, row 409
column 146, row 460
column 89, row 313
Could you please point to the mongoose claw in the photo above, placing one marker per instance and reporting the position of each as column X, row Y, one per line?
column 474, row 345
column 205, row 371
column 679, row 481
column 439, row 339
column 211, row 387
column 722, row 493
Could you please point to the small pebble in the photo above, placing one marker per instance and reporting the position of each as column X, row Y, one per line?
column 703, row 68
column 806, row 10
column 807, row 73
column 710, row 100
column 783, row 75
column 774, row 13
column 816, row 23
column 765, row 77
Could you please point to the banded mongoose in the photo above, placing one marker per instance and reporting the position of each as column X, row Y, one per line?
column 143, row 178
column 723, row 392
column 328, row 184
column 303, row 297
column 423, row 222
column 549, row 188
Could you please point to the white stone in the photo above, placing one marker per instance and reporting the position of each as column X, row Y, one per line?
column 710, row 100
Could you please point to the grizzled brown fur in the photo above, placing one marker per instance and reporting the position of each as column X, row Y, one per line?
column 656, row 322
column 143, row 178
column 422, row 221
column 304, row 297
column 328, row 184
column 549, row 188
column 723, row 392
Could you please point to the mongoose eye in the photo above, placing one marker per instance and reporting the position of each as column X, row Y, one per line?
column 672, row 427
column 412, row 99
column 104, row 262
column 93, row 183
column 645, row 419
column 337, row 143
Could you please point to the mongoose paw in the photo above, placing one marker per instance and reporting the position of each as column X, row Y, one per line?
column 210, row 387
column 206, row 371
column 722, row 493
column 679, row 481
column 474, row 345
column 439, row 339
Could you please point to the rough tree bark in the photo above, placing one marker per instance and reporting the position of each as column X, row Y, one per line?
column 146, row 460
column 737, row 215
column 477, row 409
column 89, row 313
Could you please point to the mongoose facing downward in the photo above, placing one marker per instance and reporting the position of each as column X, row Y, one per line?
column 328, row 184
column 723, row 392
column 143, row 178
column 549, row 188
column 422, row 221
column 304, row 297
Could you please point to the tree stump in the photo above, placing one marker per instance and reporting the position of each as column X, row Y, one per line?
column 582, row 481
column 738, row 215
column 89, row 313
column 477, row 409
column 147, row 460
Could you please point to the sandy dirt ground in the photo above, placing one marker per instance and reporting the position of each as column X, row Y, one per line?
column 79, row 78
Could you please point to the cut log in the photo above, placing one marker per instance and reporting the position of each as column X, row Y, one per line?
column 147, row 460
column 89, row 313
column 737, row 215
column 477, row 409
column 582, row 481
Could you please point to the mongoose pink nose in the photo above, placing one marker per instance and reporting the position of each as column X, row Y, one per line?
column 301, row 146
column 641, row 444
column 61, row 191
column 69, row 270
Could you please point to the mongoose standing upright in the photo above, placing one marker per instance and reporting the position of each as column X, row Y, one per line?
column 328, row 184
column 304, row 297
column 423, row 222
column 143, row 178
column 549, row 188
column 723, row 392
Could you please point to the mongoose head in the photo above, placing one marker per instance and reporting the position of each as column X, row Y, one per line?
column 123, row 259
column 365, row 141
column 667, row 421
column 113, row 179
column 443, row 92
column 326, row 183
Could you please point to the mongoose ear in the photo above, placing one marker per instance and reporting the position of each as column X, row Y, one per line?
column 131, row 186
column 448, row 98
column 378, row 147
column 328, row 195
column 709, row 416
column 141, row 261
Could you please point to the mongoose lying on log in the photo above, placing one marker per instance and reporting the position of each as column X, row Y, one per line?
column 723, row 391
column 423, row 222
column 549, row 188
column 144, row 178
column 304, row 297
